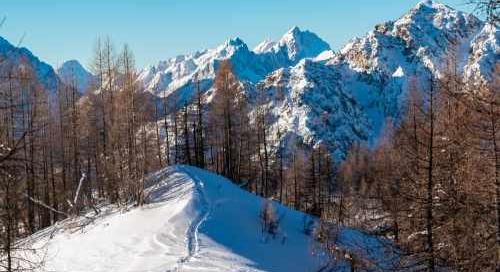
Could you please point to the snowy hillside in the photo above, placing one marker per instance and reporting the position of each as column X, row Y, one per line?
column 308, row 101
column 192, row 221
column 72, row 73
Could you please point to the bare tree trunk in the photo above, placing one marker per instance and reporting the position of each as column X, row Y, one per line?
column 167, row 141
column 187, row 152
column 158, row 140
column 430, row 185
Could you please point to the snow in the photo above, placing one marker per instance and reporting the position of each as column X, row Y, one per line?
column 361, row 87
column 376, row 69
column 368, row 78
column 485, row 54
column 264, row 46
column 193, row 221
column 324, row 56
column 399, row 72
column 314, row 107
column 176, row 75
column 300, row 44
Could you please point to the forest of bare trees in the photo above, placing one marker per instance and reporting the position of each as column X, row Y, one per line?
column 61, row 153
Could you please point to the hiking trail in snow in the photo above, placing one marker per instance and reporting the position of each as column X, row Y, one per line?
column 193, row 243
column 192, row 220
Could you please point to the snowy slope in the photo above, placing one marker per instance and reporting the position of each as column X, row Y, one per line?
column 193, row 221
column 377, row 68
column 308, row 101
column 72, row 73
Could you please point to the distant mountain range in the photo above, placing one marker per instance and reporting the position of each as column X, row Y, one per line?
column 176, row 75
column 330, row 97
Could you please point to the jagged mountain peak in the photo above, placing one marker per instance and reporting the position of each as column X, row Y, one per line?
column 427, row 4
column 176, row 75
column 430, row 16
column 424, row 33
column 295, row 44
column 293, row 33
column 229, row 48
column 236, row 41
column 376, row 68
column 301, row 43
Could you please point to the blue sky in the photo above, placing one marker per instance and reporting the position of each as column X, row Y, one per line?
column 57, row 30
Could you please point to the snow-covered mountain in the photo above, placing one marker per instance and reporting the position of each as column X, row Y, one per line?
column 376, row 68
column 294, row 46
column 351, row 93
column 14, row 60
column 309, row 101
column 193, row 220
column 356, row 89
column 72, row 73
column 176, row 75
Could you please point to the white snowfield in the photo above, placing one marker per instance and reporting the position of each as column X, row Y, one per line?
column 193, row 221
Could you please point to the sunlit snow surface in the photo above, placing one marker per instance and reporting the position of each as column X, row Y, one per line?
column 194, row 221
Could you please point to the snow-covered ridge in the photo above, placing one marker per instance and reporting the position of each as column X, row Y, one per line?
column 264, row 46
column 177, row 74
column 368, row 77
column 193, row 220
